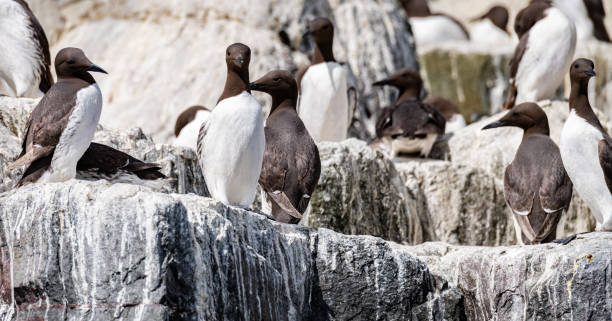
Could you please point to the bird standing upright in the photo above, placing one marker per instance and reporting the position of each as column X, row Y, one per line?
column 291, row 165
column 231, row 142
column 62, row 125
column 586, row 148
column 545, row 50
column 324, row 102
column 536, row 187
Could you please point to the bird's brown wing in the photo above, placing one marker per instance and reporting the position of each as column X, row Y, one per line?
column 519, row 194
column 514, row 65
column 108, row 160
column 273, row 174
column 299, row 76
column 605, row 159
column 309, row 169
column 556, row 188
column 597, row 13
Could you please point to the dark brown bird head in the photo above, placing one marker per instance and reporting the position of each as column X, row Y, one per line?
column 498, row 15
column 186, row 117
column 238, row 57
column 279, row 84
column 527, row 116
column 322, row 31
column 582, row 70
column 72, row 63
column 529, row 15
column 416, row 8
column 407, row 81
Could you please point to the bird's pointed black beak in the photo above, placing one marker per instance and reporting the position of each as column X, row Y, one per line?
column 590, row 73
column 381, row 83
column 96, row 68
column 254, row 86
column 496, row 125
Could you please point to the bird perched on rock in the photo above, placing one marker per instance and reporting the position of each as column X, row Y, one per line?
column 491, row 27
column 324, row 100
column 588, row 15
column 62, row 125
column 25, row 62
column 586, row 148
column 536, row 186
column 410, row 126
column 291, row 164
column 546, row 48
column 231, row 142
column 187, row 126
column 432, row 28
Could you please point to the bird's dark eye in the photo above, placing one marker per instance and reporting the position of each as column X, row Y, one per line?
column 228, row 53
column 576, row 66
column 277, row 79
column 70, row 62
column 326, row 27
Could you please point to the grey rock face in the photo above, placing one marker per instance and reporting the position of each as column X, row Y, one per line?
column 90, row 250
column 543, row 282
column 361, row 192
column 454, row 201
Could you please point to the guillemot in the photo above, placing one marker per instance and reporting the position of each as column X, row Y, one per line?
column 546, row 48
column 291, row 165
column 586, row 148
column 231, row 143
column 62, row 125
column 536, row 187
column 324, row 102
column 187, row 126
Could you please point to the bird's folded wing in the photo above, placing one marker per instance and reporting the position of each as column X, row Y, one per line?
column 605, row 159
column 556, row 188
column 519, row 194
column 31, row 156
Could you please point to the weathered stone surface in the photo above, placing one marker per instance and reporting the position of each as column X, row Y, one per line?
column 361, row 192
column 453, row 201
column 543, row 282
column 173, row 55
column 91, row 250
column 472, row 76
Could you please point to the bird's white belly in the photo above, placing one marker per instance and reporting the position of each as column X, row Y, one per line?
column 188, row 137
column 77, row 135
column 403, row 145
column 433, row 30
column 323, row 105
column 233, row 150
column 549, row 53
column 485, row 32
column 19, row 53
column 455, row 123
column 577, row 12
column 580, row 154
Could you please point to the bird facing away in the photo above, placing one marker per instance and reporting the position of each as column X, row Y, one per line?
column 536, row 187
column 491, row 27
column 25, row 62
column 450, row 111
column 231, row 142
column 63, row 123
column 586, row 148
column 324, row 100
column 291, row 165
column 545, row 50
column 187, row 126
column 410, row 126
